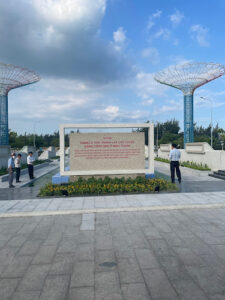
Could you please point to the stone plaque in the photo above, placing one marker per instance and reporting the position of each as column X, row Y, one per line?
column 107, row 151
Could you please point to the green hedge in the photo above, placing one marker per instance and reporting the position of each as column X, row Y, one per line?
column 187, row 164
column 4, row 171
column 107, row 185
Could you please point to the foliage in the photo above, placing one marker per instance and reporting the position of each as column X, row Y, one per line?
column 106, row 186
column 187, row 164
column 167, row 132
column 18, row 141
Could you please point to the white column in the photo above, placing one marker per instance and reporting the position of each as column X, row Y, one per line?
column 62, row 149
column 151, row 148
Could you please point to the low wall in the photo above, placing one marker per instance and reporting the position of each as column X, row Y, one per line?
column 24, row 171
column 199, row 153
column 48, row 154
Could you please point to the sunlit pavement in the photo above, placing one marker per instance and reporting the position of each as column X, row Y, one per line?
column 155, row 246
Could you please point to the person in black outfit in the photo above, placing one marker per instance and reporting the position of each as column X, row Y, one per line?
column 174, row 163
column 30, row 162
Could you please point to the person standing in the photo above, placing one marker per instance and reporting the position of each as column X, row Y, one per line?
column 30, row 165
column 11, row 167
column 18, row 167
column 174, row 163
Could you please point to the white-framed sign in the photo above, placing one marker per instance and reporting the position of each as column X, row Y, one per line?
column 149, row 170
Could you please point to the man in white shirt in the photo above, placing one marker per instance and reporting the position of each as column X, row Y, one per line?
column 18, row 167
column 174, row 163
column 30, row 165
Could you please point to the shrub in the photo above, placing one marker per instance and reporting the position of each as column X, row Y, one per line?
column 187, row 164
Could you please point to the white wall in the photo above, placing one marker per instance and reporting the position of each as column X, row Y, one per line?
column 47, row 154
column 199, row 153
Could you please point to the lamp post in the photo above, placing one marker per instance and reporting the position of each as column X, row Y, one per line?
column 210, row 100
column 34, row 142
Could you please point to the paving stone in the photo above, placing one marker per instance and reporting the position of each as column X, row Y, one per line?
column 67, row 246
column 158, row 284
column 7, row 287
column 146, row 259
column 88, row 222
column 45, row 255
column 107, row 286
column 85, row 252
column 17, row 266
column 188, row 257
column 26, row 296
column 17, row 241
column 105, row 256
column 124, row 253
column 86, row 293
column 208, row 280
column 83, row 274
column 30, row 247
column 161, row 247
column 62, row 264
column 187, row 290
column 104, row 242
column 34, row 278
column 55, row 287
column 135, row 291
column 129, row 271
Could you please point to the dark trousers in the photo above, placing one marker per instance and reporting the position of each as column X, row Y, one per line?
column 175, row 165
column 17, row 174
column 31, row 171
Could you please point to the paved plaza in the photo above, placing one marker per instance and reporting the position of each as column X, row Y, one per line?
column 155, row 246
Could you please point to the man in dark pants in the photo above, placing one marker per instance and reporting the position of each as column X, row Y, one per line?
column 30, row 162
column 174, row 163
column 18, row 167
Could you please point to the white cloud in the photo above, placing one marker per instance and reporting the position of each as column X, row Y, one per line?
column 152, row 54
column 146, row 86
column 69, row 10
column 119, row 38
column 148, row 102
column 200, row 34
column 172, row 107
column 176, row 18
column 108, row 113
column 113, row 113
column 62, row 40
column 164, row 33
column 151, row 19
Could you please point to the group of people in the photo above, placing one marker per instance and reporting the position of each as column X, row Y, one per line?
column 14, row 165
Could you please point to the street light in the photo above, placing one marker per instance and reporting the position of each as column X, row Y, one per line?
column 210, row 100
column 34, row 133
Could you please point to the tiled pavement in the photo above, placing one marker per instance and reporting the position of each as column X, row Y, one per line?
column 166, row 246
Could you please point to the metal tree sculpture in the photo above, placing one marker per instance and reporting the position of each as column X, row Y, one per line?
column 187, row 78
column 11, row 77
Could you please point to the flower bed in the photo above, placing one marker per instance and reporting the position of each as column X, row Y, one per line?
column 107, row 185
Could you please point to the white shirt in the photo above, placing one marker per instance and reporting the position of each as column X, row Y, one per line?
column 17, row 162
column 30, row 160
column 174, row 155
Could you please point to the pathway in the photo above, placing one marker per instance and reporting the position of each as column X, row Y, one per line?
column 134, row 247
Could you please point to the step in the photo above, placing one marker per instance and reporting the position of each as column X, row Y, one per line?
column 219, row 173
column 222, row 172
column 217, row 176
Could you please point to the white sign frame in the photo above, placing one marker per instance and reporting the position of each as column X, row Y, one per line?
column 150, row 169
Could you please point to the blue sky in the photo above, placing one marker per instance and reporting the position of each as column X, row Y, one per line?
column 97, row 59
